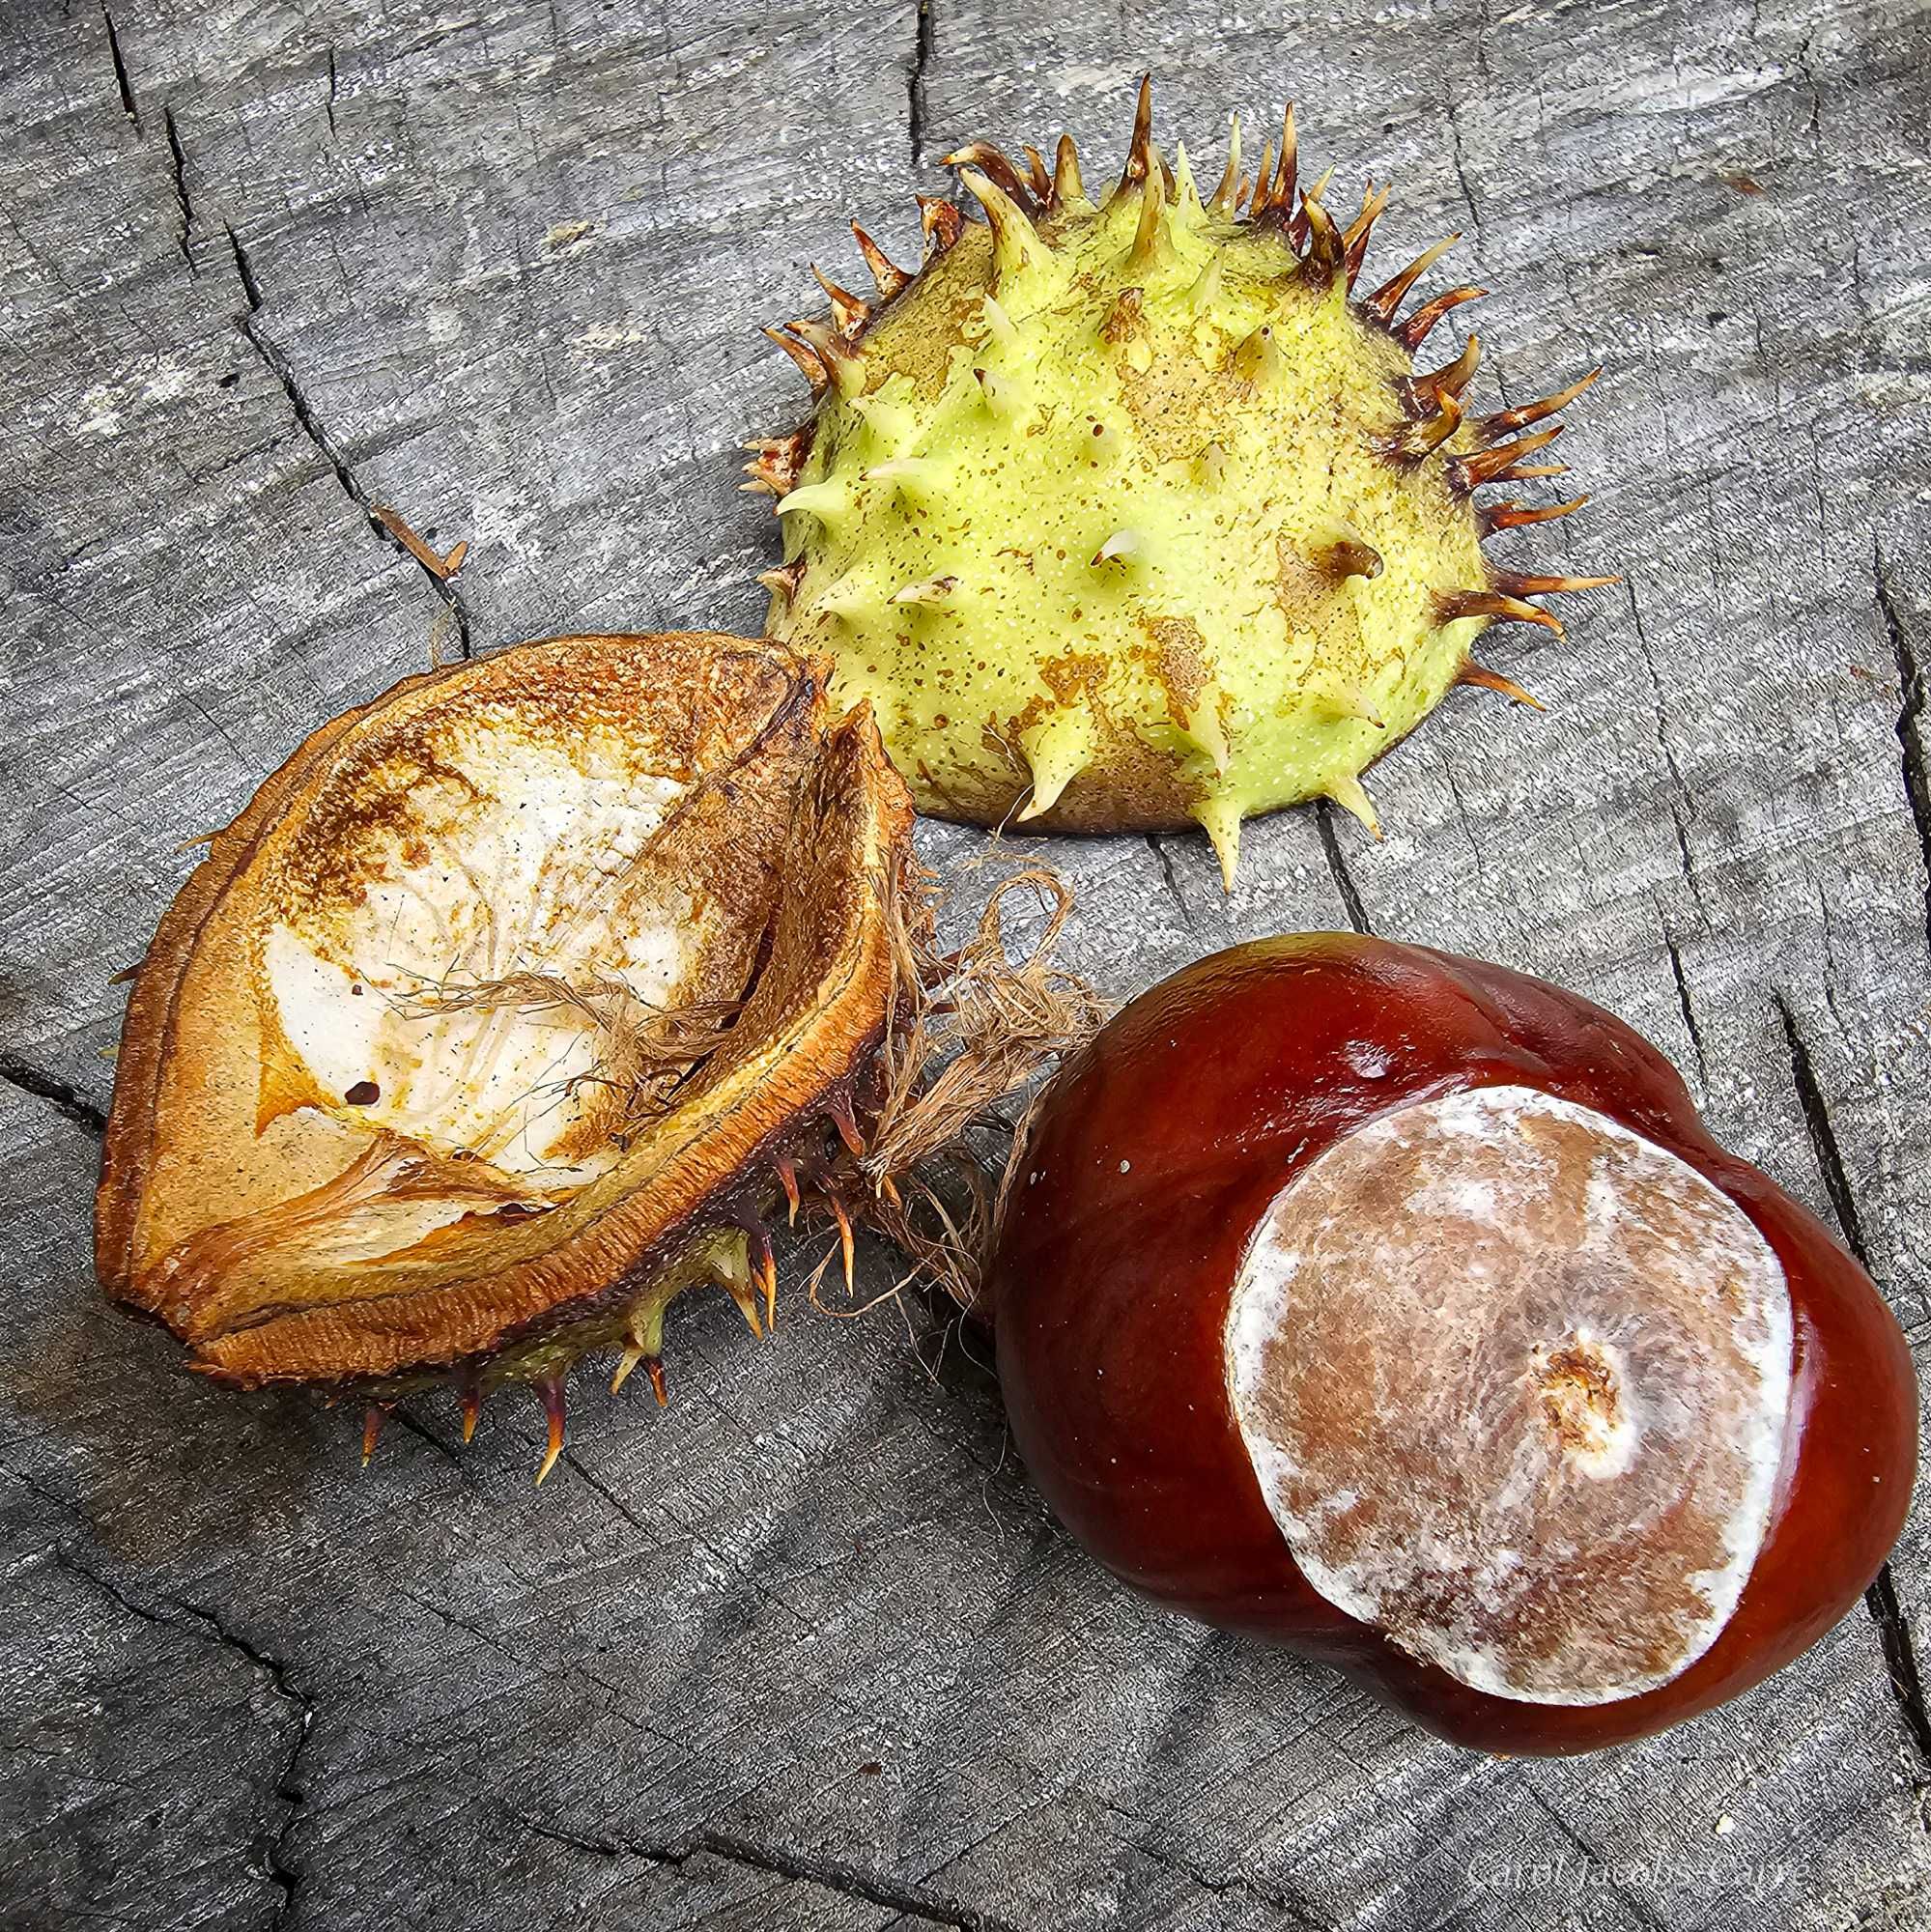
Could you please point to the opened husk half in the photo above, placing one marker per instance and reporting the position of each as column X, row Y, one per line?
column 477, row 1035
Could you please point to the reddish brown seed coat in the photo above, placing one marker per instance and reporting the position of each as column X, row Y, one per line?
column 1154, row 1156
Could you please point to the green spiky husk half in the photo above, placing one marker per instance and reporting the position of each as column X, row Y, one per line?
column 1133, row 515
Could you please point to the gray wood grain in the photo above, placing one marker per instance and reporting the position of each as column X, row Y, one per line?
column 805, row 1650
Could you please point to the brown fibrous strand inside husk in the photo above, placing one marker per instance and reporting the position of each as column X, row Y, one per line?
column 969, row 1030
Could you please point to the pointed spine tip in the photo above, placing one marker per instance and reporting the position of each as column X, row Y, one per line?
column 1015, row 243
column 1506, row 422
column 549, row 1389
column 1354, row 243
column 1451, row 606
column 1427, row 436
column 1347, row 791
column 1225, row 195
column 941, row 224
column 846, row 1245
column 1509, row 516
column 373, row 1417
column 1068, row 187
column 1392, row 293
column 849, row 312
column 992, row 162
column 840, row 361
column 811, row 368
column 1450, row 379
column 1480, row 675
column 654, row 1369
column 1414, row 332
column 1149, row 236
column 1220, row 820
column 1140, row 149
column 1502, row 461
column 891, row 279
column 1517, row 583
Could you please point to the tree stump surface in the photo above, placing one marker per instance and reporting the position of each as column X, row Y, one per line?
column 805, row 1649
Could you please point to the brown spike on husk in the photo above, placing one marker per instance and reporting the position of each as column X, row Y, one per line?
column 1451, row 605
column 1324, row 251
column 1394, row 292
column 373, row 1417
column 469, row 1385
column 941, row 223
column 784, row 580
column 1513, row 516
column 833, row 349
column 1349, row 557
column 1488, row 466
column 1480, row 674
column 849, row 312
column 1354, row 243
column 1225, row 197
column 653, row 1367
column 787, row 1178
column 1149, row 236
column 1450, row 378
column 1067, row 183
column 1287, row 167
column 1140, row 150
column 1515, row 583
column 627, row 1362
column 1297, row 223
column 1414, row 332
column 890, row 277
column 775, row 461
column 1427, row 436
column 549, row 1389
column 1038, row 176
column 840, row 1112
column 1263, row 180
column 837, row 1206
column 1506, row 422
column 992, row 162
column 763, row 1263
column 814, row 371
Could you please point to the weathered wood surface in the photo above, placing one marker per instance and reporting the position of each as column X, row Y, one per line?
column 804, row 1651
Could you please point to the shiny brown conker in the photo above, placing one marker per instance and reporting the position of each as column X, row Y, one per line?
column 1400, row 1307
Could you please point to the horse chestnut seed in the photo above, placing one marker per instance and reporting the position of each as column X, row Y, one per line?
column 1401, row 1308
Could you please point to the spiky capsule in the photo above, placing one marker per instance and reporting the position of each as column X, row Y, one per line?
column 1131, row 514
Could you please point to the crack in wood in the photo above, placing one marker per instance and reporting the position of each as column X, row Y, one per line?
column 65, row 1100
column 271, row 1846
column 915, row 86
column 180, row 160
column 1900, row 1659
column 1687, row 1012
column 837, row 1875
column 1910, row 722
column 121, row 80
column 1337, row 865
column 1166, row 873
column 1894, row 1636
column 1680, row 796
column 282, row 370
column 1297, row 1918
